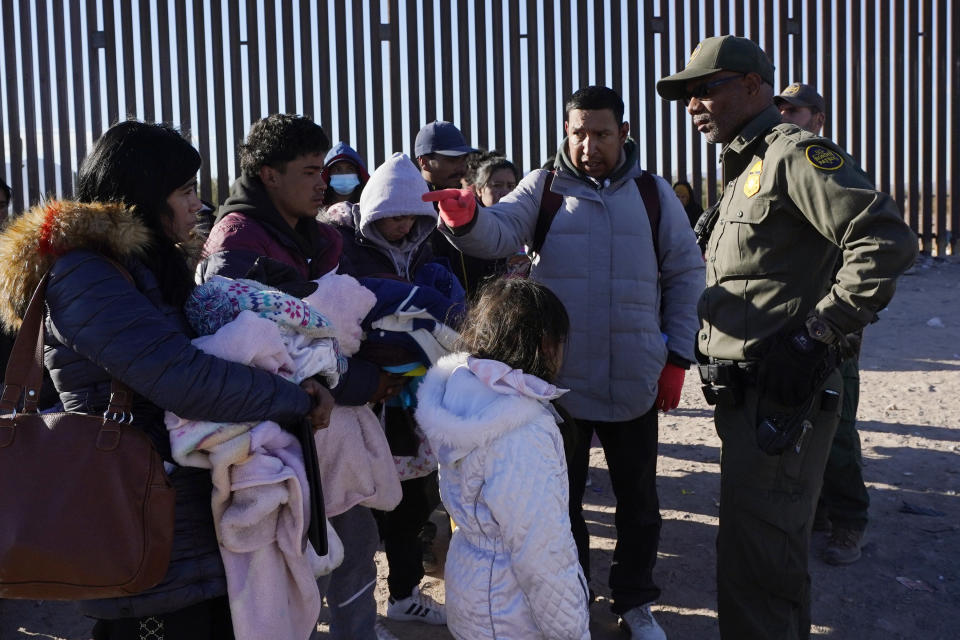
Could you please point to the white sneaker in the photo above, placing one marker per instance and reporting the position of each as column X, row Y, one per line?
column 417, row 607
column 383, row 633
column 641, row 624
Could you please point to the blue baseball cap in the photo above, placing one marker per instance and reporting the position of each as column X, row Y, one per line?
column 441, row 137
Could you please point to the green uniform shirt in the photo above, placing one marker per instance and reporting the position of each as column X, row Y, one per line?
column 793, row 204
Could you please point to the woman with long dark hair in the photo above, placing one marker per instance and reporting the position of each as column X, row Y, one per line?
column 136, row 206
column 689, row 200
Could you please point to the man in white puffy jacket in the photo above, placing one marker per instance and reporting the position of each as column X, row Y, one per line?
column 631, row 293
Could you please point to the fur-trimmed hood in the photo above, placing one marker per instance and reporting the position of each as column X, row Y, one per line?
column 465, row 403
column 32, row 242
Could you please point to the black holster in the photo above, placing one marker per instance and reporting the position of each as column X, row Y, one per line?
column 776, row 434
column 705, row 224
column 724, row 381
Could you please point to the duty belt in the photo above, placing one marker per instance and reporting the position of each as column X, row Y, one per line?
column 727, row 372
column 724, row 380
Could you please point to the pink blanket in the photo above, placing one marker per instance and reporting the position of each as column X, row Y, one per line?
column 356, row 466
column 260, row 497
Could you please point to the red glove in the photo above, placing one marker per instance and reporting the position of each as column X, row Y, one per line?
column 457, row 206
column 669, row 386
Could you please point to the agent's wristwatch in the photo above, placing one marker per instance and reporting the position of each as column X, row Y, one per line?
column 820, row 330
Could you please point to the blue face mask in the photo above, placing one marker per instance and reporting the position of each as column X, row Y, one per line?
column 344, row 183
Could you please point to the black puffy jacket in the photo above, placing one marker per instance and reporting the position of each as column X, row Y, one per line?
column 98, row 325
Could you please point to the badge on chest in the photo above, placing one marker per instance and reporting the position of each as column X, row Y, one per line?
column 752, row 185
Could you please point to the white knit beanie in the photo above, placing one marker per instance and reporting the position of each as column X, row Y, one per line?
column 395, row 189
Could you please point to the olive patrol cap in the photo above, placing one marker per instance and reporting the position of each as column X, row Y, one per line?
column 801, row 95
column 720, row 53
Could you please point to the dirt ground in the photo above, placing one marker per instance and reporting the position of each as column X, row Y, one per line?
column 906, row 585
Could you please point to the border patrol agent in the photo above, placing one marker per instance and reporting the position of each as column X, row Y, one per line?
column 771, row 318
column 800, row 104
column 844, row 501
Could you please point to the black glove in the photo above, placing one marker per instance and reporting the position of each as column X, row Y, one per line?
column 795, row 366
column 850, row 345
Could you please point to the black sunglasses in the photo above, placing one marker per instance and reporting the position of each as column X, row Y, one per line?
column 703, row 90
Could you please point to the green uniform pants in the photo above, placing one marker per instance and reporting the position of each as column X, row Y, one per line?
column 766, row 514
column 844, row 495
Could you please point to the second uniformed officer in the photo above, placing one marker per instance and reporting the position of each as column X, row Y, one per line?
column 770, row 319
column 844, row 501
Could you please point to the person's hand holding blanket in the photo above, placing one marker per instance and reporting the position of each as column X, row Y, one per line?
column 323, row 402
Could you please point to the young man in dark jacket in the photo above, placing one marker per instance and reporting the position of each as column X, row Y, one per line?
column 267, row 231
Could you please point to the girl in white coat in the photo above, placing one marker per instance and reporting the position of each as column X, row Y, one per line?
column 512, row 569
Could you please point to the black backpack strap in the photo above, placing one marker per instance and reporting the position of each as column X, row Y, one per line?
column 549, row 206
column 651, row 200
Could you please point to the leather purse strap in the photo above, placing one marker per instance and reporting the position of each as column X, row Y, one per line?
column 24, row 373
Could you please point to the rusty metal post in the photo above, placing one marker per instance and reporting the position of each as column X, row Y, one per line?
column 651, row 26
column 533, row 82
column 163, row 46
column 947, row 130
column 414, row 32
column 379, row 33
column 252, row 44
column 361, row 68
column 926, row 110
column 514, row 110
column 913, row 97
column 59, row 19
column 48, row 186
column 954, row 137
column 202, row 139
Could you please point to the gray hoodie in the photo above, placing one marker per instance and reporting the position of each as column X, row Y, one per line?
column 395, row 189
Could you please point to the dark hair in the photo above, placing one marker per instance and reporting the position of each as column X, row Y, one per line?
column 595, row 98
column 475, row 159
column 5, row 187
column 491, row 166
column 511, row 321
column 687, row 186
column 279, row 138
column 141, row 164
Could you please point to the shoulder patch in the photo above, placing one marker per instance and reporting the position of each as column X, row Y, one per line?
column 752, row 185
column 823, row 158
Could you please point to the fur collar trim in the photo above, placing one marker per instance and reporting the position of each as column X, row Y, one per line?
column 32, row 242
column 470, row 414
